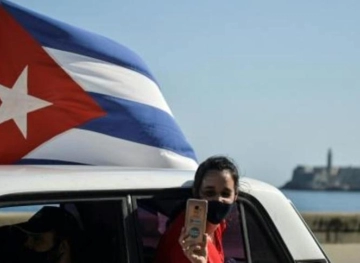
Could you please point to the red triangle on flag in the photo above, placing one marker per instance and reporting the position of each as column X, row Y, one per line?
column 39, row 100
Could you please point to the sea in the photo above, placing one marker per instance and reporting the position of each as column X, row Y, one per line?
column 324, row 201
column 304, row 201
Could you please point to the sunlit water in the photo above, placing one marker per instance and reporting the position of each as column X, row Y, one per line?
column 324, row 201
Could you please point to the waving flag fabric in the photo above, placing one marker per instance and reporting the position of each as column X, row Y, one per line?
column 69, row 96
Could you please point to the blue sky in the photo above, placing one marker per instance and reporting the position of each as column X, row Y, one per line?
column 272, row 84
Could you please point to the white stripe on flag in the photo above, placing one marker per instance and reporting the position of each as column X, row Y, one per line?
column 95, row 75
column 107, row 150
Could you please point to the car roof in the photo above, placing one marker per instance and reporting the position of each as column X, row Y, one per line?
column 47, row 178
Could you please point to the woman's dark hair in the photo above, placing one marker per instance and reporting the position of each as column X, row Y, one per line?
column 217, row 163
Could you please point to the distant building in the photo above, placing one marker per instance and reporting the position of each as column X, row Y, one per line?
column 325, row 178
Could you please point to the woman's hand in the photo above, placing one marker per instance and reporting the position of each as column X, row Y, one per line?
column 195, row 252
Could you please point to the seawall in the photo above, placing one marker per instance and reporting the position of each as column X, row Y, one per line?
column 334, row 228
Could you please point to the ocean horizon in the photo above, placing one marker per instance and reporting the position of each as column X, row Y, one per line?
column 324, row 201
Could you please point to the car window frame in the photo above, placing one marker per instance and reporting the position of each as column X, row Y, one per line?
column 326, row 260
column 246, row 202
column 120, row 196
column 270, row 226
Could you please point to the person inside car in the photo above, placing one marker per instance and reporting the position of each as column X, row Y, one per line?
column 52, row 235
column 217, row 181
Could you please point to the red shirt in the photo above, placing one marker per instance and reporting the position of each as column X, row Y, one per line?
column 170, row 251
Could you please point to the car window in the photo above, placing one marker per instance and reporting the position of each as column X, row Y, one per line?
column 98, row 234
column 233, row 238
column 153, row 214
column 247, row 237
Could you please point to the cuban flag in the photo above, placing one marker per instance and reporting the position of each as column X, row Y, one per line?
column 68, row 96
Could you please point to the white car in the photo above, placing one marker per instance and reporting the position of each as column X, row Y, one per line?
column 124, row 212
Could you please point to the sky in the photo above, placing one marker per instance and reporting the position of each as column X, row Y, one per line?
column 272, row 84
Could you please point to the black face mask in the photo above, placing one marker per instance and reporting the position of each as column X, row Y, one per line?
column 50, row 256
column 217, row 211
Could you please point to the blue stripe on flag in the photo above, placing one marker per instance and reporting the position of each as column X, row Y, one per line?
column 58, row 35
column 46, row 162
column 139, row 123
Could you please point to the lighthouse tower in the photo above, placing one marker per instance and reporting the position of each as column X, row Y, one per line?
column 329, row 163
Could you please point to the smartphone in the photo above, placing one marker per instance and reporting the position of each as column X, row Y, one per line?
column 195, row 219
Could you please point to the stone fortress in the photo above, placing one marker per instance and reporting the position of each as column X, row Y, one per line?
column 325, row 178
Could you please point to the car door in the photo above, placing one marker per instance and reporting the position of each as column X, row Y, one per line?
column 125, row 226
column 250, row 235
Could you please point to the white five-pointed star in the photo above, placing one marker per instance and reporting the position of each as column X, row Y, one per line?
column 16, row 103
